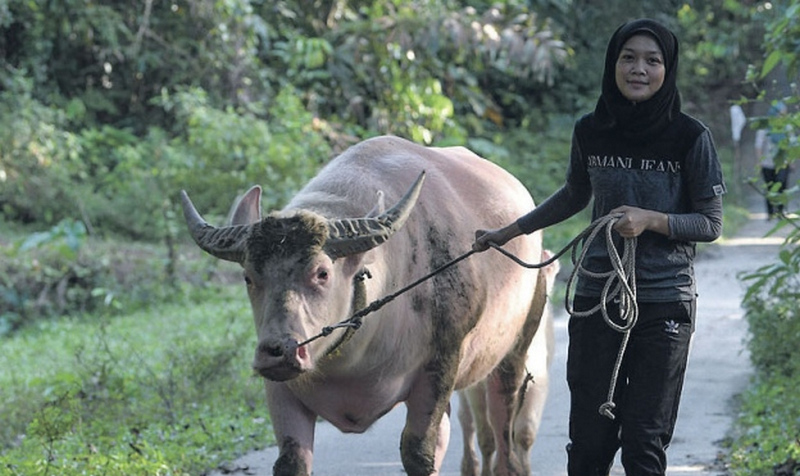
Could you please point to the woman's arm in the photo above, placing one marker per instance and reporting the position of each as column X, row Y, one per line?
column 704, row 224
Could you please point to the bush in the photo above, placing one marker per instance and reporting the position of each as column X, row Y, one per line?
column 157, row 392
column 221, row 153
column 767, row 441
column 774, row 334
column 39, row 166
column 65, row 272
column 119, row 184
column 46, row 274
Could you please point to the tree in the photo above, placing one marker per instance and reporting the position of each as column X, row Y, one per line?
column 781, row 53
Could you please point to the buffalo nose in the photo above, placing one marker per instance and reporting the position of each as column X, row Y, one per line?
column 272, row 350
column 278, row 349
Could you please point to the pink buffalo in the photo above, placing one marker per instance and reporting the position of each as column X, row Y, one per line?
column 335, row 247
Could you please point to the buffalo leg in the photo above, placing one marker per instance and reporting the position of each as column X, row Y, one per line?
column 294, row 431
column 426, row 434
column 503, row 386
column 470, row 463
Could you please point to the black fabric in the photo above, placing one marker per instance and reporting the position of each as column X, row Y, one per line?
column 705, row 224
column 647, row 393
column 645, row 120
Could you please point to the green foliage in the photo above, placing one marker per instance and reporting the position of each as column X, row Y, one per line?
column 126, row 185
column 436, row 76
column 766, row 440
column 719, row 38
column 64, row 271
column 224, row 152
column 767, row 443
column 38, row 158
column 156, row 392
column 775, row 330
column 112, row 57
column 775, row 286
column 781, row 39
column 46, row 274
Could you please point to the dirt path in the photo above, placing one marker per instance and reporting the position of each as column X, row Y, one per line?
column 718, row 370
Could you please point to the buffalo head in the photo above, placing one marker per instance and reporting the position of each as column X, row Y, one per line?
column 296, row 281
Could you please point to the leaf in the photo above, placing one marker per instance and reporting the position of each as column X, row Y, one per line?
column 35, row 239
column 769, row 64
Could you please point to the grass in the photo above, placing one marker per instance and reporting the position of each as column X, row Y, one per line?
column 165, row 391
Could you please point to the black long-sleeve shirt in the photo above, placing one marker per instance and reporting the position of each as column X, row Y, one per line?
column 678, row 174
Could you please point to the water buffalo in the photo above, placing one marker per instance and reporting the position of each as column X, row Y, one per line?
column 335, row 247
column 472, row 411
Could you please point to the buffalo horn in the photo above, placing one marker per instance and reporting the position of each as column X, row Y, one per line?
column 357, row 235
column 225, row 243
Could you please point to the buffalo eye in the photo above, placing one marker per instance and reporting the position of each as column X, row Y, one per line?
column 248, row 281
column 322, row 275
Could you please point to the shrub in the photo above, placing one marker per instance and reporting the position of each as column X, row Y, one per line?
column 222, row 153
column 39, row 165
column 65, row 272
column 45, row 274
column 767, row 442
column 157, row 392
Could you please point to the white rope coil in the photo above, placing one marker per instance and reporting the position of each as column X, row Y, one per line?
column 620, row 286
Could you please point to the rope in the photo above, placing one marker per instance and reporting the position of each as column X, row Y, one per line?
column 620, row 283
column 622, row 278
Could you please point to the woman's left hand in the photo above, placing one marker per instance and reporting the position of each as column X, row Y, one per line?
column 635, row 221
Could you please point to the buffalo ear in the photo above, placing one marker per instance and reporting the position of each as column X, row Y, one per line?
column 380, row 206
column 248, row 210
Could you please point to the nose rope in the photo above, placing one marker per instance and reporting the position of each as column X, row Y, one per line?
column 620, row 284
column 356, row 319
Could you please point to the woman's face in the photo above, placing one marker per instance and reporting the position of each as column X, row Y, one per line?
column 640, row 68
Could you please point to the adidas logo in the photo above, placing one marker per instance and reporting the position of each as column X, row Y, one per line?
column 672, row 327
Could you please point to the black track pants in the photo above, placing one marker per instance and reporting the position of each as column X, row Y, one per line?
column 647, row 393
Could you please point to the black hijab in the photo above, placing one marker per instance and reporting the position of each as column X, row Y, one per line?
column 645, row 120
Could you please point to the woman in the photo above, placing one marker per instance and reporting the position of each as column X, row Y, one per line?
column 639, row 157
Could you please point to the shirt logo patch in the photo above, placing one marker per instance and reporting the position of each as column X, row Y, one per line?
column 719, row 189
column 672, row 327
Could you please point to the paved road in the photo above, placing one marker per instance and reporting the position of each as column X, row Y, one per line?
column 718, row 370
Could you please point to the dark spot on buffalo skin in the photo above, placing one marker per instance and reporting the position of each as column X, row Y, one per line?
column 352, row 419
column 301, row 235
column 418, row 303
column 289, row 462
column 417, row 454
